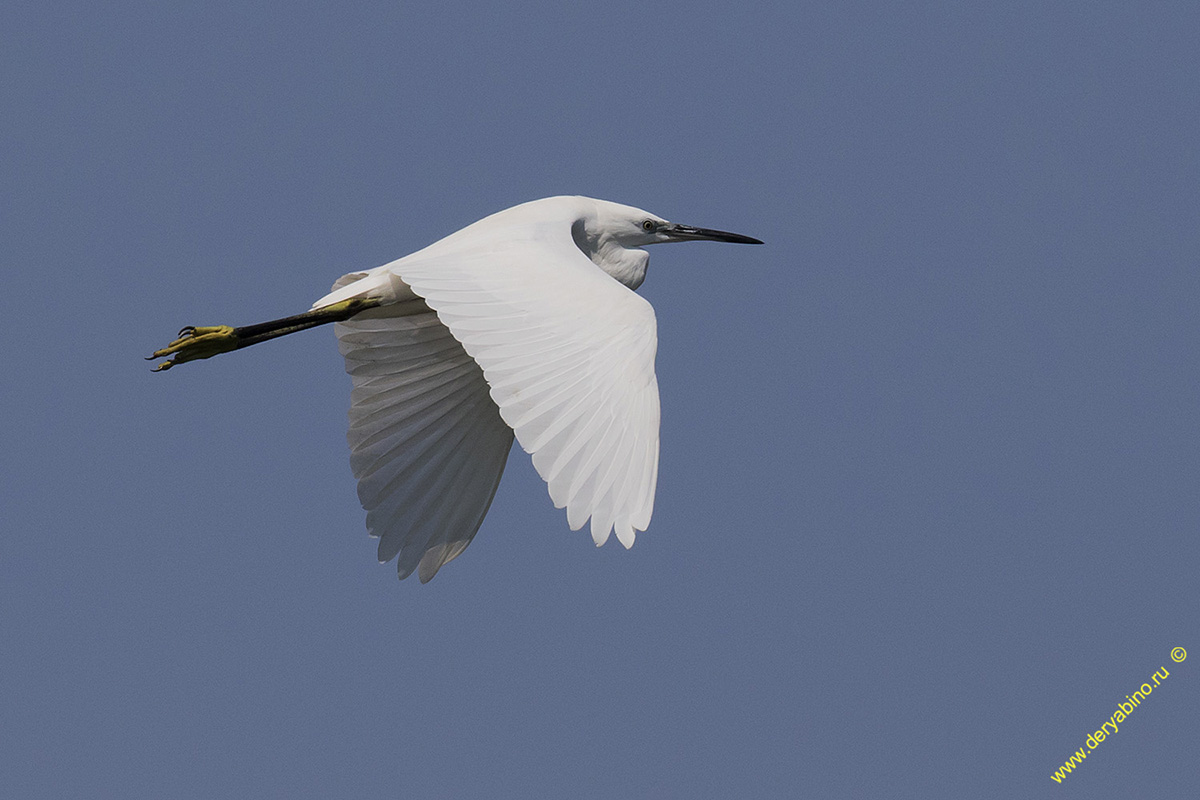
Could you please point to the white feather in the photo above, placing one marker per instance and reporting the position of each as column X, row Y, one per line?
column 530, row 335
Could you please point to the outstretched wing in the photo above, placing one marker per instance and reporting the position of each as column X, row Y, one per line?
column 427, row 443
column 569, row 355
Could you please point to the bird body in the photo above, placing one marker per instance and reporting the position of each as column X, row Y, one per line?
column 553, row 223
column 523, row 323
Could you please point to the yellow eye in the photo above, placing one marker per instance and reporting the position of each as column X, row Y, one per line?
column 648, row 225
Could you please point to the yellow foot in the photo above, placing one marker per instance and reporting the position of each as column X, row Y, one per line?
column 196, row 343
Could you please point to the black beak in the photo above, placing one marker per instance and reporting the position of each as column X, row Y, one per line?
column 686, row 233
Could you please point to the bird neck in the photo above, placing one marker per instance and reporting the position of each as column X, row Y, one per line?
column 627, row 265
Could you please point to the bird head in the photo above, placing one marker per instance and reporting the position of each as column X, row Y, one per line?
column 613, row 235
column 633, row 227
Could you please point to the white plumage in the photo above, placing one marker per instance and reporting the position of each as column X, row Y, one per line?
column 509, row 307
column 525, row 322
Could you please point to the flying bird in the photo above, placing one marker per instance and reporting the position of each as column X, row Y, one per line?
column 525, row 322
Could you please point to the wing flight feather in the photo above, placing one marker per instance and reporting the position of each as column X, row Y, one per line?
column 427, row 444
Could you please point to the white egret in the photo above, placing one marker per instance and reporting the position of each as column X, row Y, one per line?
column 524, row 322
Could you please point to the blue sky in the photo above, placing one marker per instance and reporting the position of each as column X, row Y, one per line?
column 927, row 507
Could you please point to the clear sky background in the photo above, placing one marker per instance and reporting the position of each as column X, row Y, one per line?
column 930, row 477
